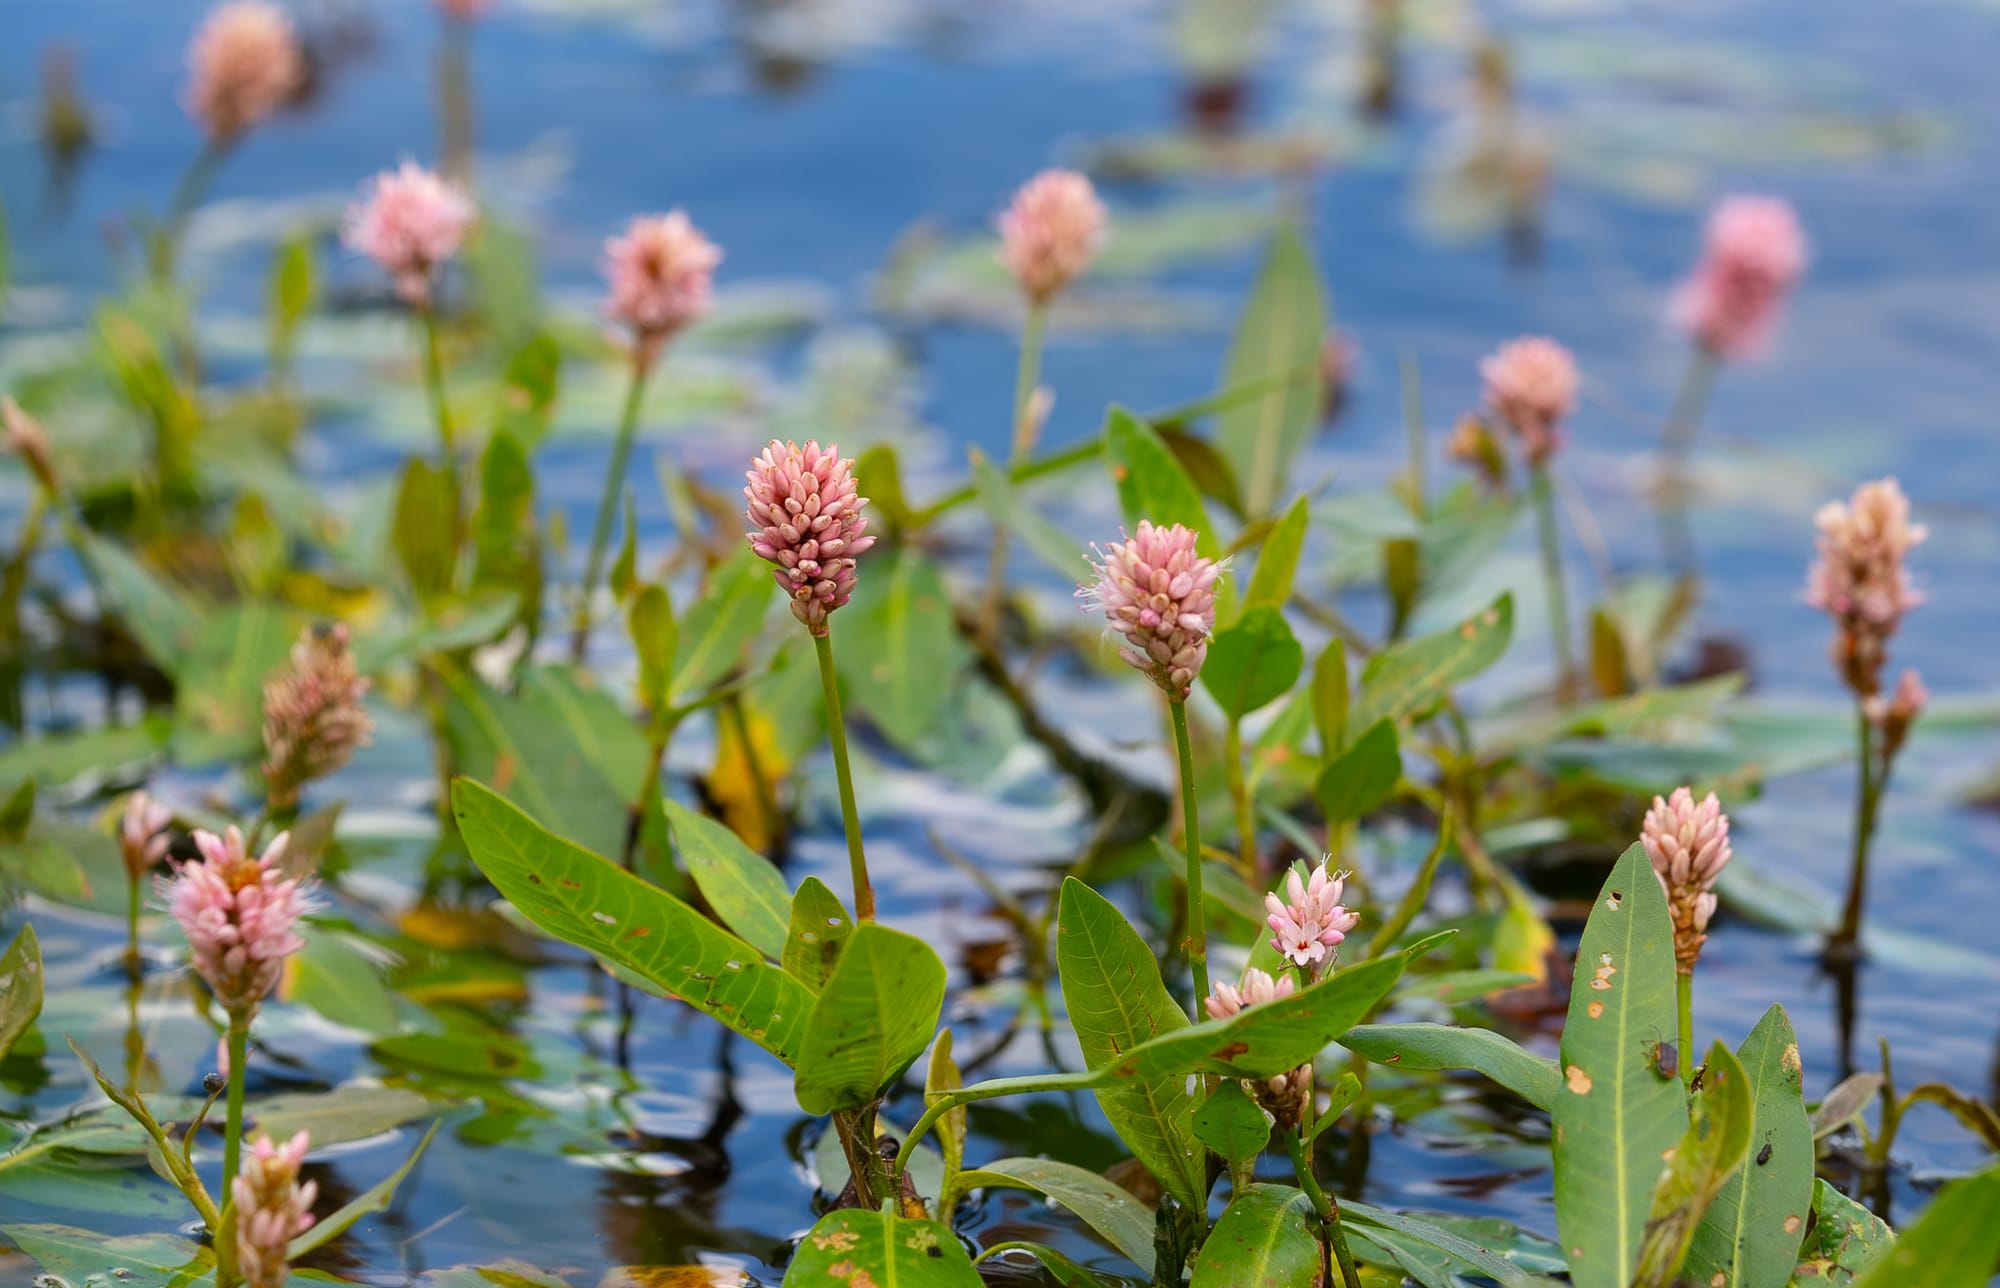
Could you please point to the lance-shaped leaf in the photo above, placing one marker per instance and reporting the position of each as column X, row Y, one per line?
column 740, row 884
column 1268, row 1237
column 1750, row 1235
column 588, row 901
column 720, row 625
column 876, row 1013
column 943, row 1075
column 1842, row 1242
column 1151, row 481
column 1442, row 1046
column 1711, row 1150
column 1278, row 560
column 819, row 926
column 1616, row 1117
column 373, row 1199
column 1408, row 680
column 1118, row 1215
column 898, row 650
column 1278, row 341
column 1431, row 1235
column 20, row 986
column 1116, row 1001
column 889, row 1249
column 1363, row 776
column 1954, row 1244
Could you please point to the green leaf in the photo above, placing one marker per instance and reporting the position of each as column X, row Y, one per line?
column 1117, row 1001
column 1278, row 559
column 81, row 1256
column 897, row 648
column 1750, row 1234
column 422, row 532
column 875, row 1015
column 590, row 902
column 1363, row 776
column 625, row 568
column 1268, row 1237
column 650, row 619
column 1056, row 548
column 1407, row 681
column 1232, row 1124
column 721, row 624
column 1532, row 1077
column 1954, row 1244
column 1478, row 1256
column 1115, row 1213
column 222, row 678
column 894, row 1251
column 340, row 976
column 742, row 886
column 356, row 1111
column 374, row 1199
column 819, row 927
column 167, row 620
column 1278, row 340
column 1616, row 1117
column 534, row 376
column 1060, row 1268
column 527, row 747
column 941, row 1076
column 20, row 986
column 1712, row 1149
column 1844, row 1241
column 291, row 293
column 1152, row 485
column 879, row 477
column 1330, row 698
column 1252, row 661
column 1848, row 1100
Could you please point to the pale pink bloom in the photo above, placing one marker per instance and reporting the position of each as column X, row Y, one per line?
column 463, row 10
column 1752, row 254
column 410, row 222
column 1051, row 232
column 240, row 915
column 313, row 717
column 1688, row 844
column 1861, row 578
column 272, row 1208
column 660, row 273
column 1160, row 595
column 245, row 64
column 806, row 519
column 1257, row 988
column 142, row 834
column 1314, row 922
column 1531, row 385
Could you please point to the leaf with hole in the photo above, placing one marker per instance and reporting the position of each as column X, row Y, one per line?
column 890, row 1249
column 1750, row 1234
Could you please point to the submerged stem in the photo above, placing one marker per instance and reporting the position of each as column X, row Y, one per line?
column 1552, row 576
column 1197, row 919
column 607, row 505
column 857, row 858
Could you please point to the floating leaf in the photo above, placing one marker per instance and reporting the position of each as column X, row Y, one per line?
column 1060, row 1268
column 1268, row 1237
column 1751, row 1232
column 373, row 1199
column 875, row 1014
column 590, row 902
column 1616, row 1117
column 1441, row 1046
column 888, row 1248
column 1115, row 1213
column 1116, row 1001
column 353, row 1112
column 742, row 886
column 1278, row 340
column 81, row 1256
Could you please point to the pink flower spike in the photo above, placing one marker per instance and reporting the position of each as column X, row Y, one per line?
column 313, row 717
column 1157, row 592
column 463, row 10
column 245, row 63
column 1753, row 252
column 805, row 519
column 240, row 915
column 1314, row 922
column 1257, row 988
column 1051, row 232
column 410, row 222
column 272, row 1208
column 660, row 274
column 1861, row 578
column 1531, row 384
column 1688, row 844
column 142, row 834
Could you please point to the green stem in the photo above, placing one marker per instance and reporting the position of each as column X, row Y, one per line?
column 1418, row 894
column 857, row 858
column 1684, row 986
column 232, row 1140
column 1239, row 793
column 856, row 1128
column 186, row 199
column 1552, row 574
column 132, row 897
column 1868, row 799
column 991, row 1089
column 1324, row 1204
column 607, row 505
column 434, row 383
column 1413, row 432
column 1027, row 376
column 1197, row 918
column 1689, row 402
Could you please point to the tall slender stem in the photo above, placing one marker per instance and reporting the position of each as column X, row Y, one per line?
column 857, row 859
column 1197, row 917
column 1684, row 984
column 132, row 927
column 607, row 504
column 1324, row 1204
column 1552, row 576
column 1027, row 375
column 1848, row 937
column 1676, row 445
column 193, row 185
column 232, row 1140
column 441, row 412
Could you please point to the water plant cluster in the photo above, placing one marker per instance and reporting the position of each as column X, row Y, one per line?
column 1300, row 900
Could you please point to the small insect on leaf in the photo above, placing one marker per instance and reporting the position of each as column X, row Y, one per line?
column 1764, row 1154
column 1665, row 1058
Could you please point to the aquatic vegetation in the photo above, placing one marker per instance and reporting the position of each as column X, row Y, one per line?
column 424, row 823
